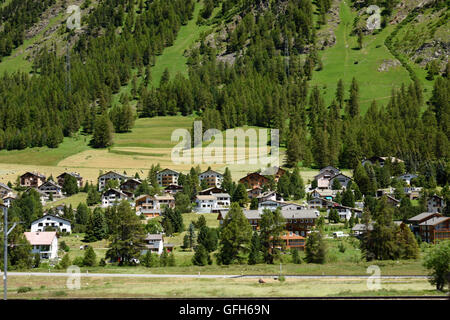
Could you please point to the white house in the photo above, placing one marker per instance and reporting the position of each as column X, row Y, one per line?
column 111, row 175
column 112, row 197
column 50, row 220
column 43, row 243
column 213, row 178
column 212, row 203
column 152, row 206
column 167, row 177
column 407, row 177
column 51, row 188
column 153, row 243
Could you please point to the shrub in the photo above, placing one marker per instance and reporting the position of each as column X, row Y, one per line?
column 64, row 246
column 23, row 289
column 59, row 293
column 281, row 278
column 78, row 261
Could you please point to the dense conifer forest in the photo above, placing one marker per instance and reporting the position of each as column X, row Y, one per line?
column 274, row 44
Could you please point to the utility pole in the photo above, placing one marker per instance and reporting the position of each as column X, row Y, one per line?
column 5, row 249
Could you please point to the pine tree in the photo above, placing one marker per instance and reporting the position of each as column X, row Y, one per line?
column 103, row 132
column 235, row 236
column 255, row 255
column 89, row 259
column 353, row 102
column 315, row 248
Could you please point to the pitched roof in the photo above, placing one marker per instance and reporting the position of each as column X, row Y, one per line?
column 221, row 195
column 287, row 214
column 167, row 169
column 4, row 186
column 362, row 227
column 40, row 238
column 50, row 182
column 116, row 173
column 434, row 221
column 116, row 191
column 50, row 215
column 154, row 236
column 422, row 216
column 73, row 174
column 37, row 174
column 206, row 197
column 210, row 172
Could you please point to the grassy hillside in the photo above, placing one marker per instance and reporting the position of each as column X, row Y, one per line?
column 344, row 61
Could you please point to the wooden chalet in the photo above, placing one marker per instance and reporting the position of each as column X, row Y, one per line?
column 254, row 180
column 62, row 177
column 32, row 179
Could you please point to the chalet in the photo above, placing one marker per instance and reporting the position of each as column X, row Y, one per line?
column 392, row 201
column 111, row 175
column 345, row 213
column 42, row 195
column 293, row 206
column 212, row 178
column 320, row 203
column 112, row 197
column 5, row 190
column 299, row 221
column 8, row 200
column 51, row 221
column 43, row 243
column 274, row 204
column 153, row 243
column 435, row 229
column 130, row 185
column 330, row 170
column 327, row 194
column 381, row 160
column 420, row 218
column 51, row 188
column 270, row 205
column 255, row 192
column 359, row 229
column 342, row 178
column 269, row 195
column 413, row 192
column 152, row 207
column 292, row 240
column 31, row 179
column 277, row 172
column 173, row 189
column 211, row 190
column 323, row 179
column 384, row 192
column 254, row 180
column 166, row 177
column 62, row 177
column 407, row 177
column 212, row 203
column 435, row 204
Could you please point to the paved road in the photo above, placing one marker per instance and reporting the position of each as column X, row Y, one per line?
column 211, row 276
